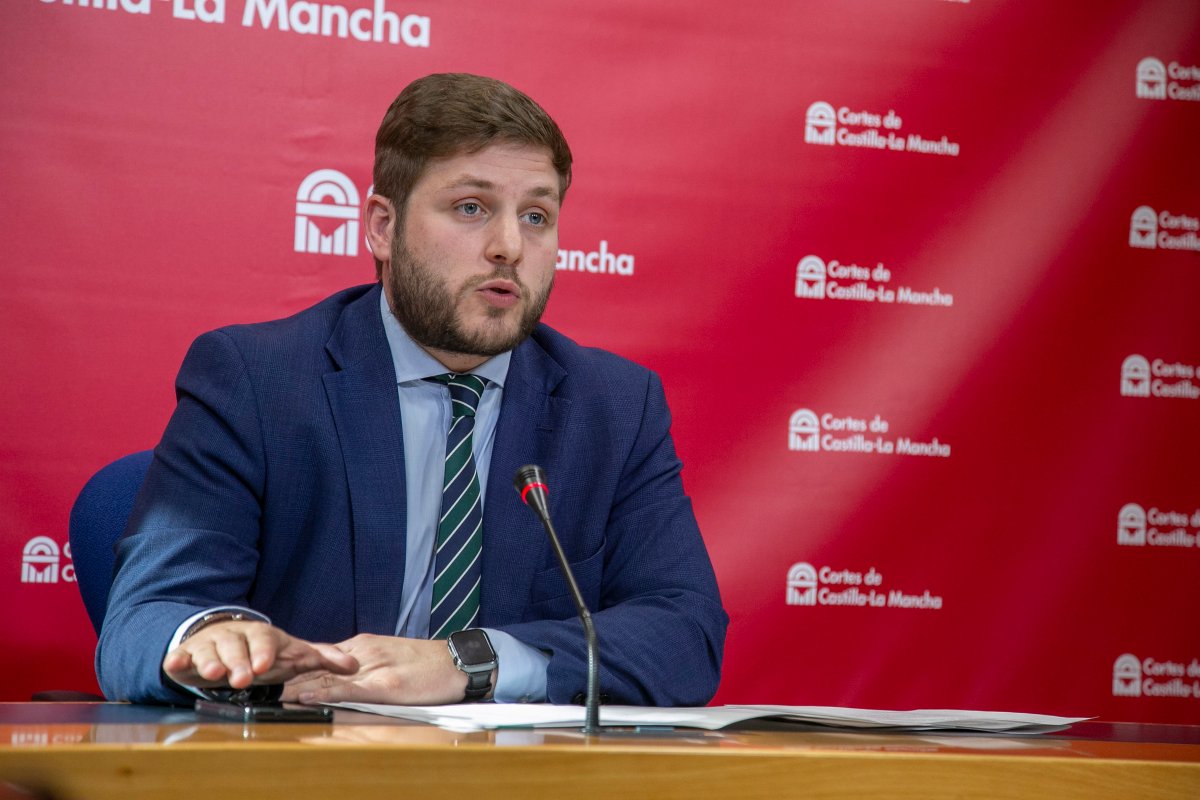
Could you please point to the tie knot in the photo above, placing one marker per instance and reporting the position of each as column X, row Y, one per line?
column 465, row 391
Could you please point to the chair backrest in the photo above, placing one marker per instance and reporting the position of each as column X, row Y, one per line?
column 97, row 520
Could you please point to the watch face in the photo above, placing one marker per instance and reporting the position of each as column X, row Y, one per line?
column 473, row 647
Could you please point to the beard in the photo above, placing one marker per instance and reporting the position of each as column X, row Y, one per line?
column 427, row 308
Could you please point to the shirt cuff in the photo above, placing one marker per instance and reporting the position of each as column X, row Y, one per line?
column 521, row 677
column 177, row 639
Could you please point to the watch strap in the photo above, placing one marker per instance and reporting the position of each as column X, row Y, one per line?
column 478, row 686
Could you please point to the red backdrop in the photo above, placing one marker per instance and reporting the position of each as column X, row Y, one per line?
column 921, row 279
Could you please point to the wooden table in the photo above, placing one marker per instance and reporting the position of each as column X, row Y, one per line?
column 100, row 750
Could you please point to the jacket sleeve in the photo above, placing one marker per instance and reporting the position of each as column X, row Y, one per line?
column 190, row 543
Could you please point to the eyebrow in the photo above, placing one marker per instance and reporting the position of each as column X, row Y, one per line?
column 472, row 182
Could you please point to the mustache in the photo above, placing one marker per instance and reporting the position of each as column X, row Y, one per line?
column 504, row 273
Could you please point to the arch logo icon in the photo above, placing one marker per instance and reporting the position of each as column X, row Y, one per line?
column 1143, row 228
column 327, row 194
column 804, row 431
column 1135, row 377
column 810, row 278
column 802, row 584
column 1127, row 676
column 820, row 124
column 1151, row 79
column 1131, row 525
column 39, row 561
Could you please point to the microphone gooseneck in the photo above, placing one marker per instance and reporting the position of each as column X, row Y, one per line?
column 530, row 482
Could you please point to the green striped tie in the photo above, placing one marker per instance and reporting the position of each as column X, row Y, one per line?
column 455, row 603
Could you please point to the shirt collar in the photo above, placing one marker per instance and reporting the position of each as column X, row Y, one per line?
column 412, row 363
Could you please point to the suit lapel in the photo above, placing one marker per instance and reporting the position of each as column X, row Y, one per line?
column 529, row 431
column 366, row 412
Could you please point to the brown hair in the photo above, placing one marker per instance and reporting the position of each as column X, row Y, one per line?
column 441, row 116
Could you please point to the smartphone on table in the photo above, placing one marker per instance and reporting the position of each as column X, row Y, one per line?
column 268, row 712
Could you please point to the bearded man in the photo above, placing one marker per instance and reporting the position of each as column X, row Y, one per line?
column 330, row 514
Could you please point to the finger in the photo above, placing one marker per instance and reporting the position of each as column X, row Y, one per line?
column 207, row 667
column 307, row 682
column 178, row 663
column 305, row 677
column 301, row 656
column 336, row 660
column 234, row 652
column 263, row 644
column 335, row 689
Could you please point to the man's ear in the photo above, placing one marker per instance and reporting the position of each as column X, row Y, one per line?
column 379, row 221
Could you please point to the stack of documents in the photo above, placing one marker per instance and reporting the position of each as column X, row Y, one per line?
column 490, row 716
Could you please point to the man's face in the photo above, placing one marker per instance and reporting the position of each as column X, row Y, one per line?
column 473, row 261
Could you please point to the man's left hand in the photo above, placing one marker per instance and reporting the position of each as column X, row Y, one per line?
column 391, row 670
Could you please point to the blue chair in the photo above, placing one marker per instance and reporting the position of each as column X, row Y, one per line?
column 97, row 520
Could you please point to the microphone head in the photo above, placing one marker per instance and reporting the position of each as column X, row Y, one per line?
column 528, row 474
column 529, row 477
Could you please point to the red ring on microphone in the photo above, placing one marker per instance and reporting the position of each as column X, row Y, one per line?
column 541, row 486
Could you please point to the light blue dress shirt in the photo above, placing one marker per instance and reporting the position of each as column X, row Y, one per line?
column 425, row 414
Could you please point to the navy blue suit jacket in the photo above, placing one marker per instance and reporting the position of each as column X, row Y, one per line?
column 279, row 485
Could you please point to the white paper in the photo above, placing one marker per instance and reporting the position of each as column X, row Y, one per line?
column 489, row 716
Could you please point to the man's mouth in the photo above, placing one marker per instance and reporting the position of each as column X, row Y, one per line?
column 500, row 293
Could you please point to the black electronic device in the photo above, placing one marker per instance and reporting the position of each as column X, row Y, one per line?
column 473, row 654
column 269, row 712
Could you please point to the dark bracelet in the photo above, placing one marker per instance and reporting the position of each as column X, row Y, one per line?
column 209, row 619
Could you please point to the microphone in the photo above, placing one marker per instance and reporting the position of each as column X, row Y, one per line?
column 530, row 481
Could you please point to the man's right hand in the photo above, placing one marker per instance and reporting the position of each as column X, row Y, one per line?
column 240, row 653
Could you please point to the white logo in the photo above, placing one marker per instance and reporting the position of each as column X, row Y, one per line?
column 1151, row 79
column 817, row 279
column 809, row 432
column 820, row 124
column 128, row 6
column 40, row 562
column 600, row 261
column 1164, row 230
column 1127, row 676
column 1174, row 81
column 1151, row 677
column 1141, row 377
column 808, row 586
column 846, row 127
column 372, row 24
column 375, row 24
column 1131, row 525
column 804, row 431
column 322, row 185
column 810, row 278
column 1135, row 377
column 1157, row 527
column 802, row 585
column 1143, row 228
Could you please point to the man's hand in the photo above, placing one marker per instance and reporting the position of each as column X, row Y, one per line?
column 391, row 670
column 240, row 653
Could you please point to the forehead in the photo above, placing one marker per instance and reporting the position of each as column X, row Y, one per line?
column 518, row 169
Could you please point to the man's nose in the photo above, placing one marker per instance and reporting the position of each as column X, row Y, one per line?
column 504, row 244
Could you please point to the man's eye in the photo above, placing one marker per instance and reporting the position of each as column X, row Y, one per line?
column 470, row 209
column 536, row 218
